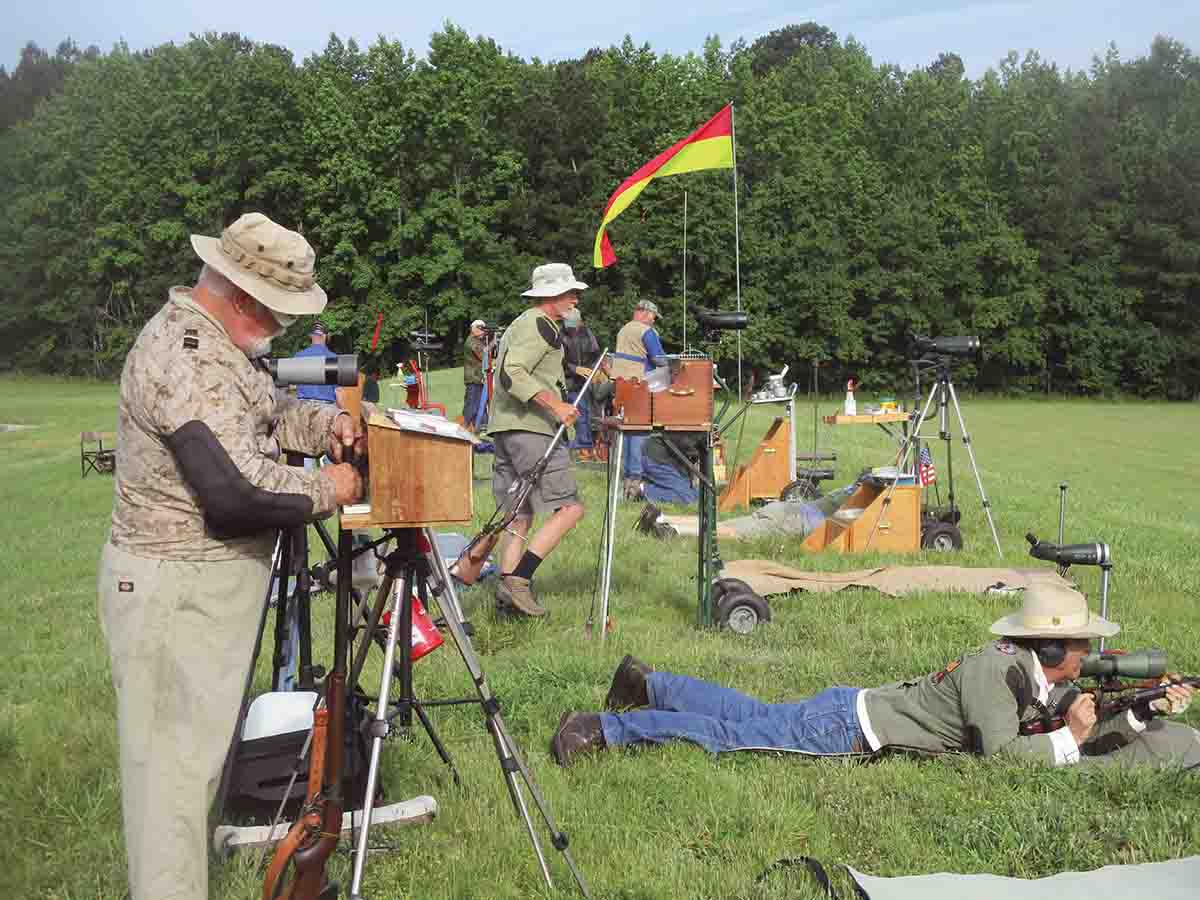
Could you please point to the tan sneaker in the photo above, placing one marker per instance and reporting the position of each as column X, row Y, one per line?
column 515, row 595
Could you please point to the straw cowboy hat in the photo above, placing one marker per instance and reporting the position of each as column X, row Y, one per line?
column 267, row 261
column 1054, row 611
column 552, row 280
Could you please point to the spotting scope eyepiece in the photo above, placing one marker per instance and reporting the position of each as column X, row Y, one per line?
column 961, row 345
column 711, row 320
column 337, row 370
column 1114, row 664
column 1069, row 554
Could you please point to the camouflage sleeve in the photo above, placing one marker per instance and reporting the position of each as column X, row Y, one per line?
column 221, row 391
column 526, row 349
column 303, row 426
column 991, row 687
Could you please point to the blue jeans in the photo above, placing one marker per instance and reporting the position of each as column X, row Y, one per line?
column 472, row 394
column 721, row 720
column 664, row 484
column 633, row 464
column 583, row 425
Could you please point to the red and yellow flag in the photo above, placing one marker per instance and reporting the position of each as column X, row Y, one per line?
column 709, row 147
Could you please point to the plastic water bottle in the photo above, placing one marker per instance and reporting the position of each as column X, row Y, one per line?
column 851, row 407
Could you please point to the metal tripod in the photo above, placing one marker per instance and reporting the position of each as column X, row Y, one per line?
column 419, row 564
column 943, row 390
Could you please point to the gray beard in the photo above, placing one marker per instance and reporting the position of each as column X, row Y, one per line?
column 259, row 348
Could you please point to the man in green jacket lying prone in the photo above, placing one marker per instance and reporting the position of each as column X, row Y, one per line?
column 987, row 701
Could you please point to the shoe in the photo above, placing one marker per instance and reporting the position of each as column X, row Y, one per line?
column 584, row 454
column 515, row 595
column 577, row 733
column 628, row 689
column 648, row 519
column 633, row 489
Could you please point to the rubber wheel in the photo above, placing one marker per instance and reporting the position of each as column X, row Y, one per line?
column 741, row 612
column 941, row 537
column 801, row 489
column 723, row 586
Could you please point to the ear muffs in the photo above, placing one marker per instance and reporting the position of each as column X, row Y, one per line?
column 1052, row 653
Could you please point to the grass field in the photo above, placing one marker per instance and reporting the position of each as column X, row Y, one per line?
column 662, row 822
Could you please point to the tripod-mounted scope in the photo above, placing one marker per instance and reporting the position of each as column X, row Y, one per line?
column 712, row 321
column 963, row 345
column 338, row 370
column 1069, row 554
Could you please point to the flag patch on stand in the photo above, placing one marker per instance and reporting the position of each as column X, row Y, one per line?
column 925, row 469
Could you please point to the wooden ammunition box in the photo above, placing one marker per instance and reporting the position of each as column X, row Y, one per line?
column 687, row 405
column 632, row 395
column 417, row 479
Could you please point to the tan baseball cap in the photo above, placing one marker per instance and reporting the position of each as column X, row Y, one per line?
column 273, row 265
column 1054, row 611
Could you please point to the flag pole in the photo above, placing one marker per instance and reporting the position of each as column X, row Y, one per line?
column 685, row 271
column 737, row 242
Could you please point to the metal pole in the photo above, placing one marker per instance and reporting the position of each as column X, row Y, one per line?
column 685, row 271
column 966, row 439
column 1062, row 509
column 737, row 242
column 610, row 529
column 1104, row 570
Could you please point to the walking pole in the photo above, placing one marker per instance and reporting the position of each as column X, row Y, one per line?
column 737, row 242
column 685, row 272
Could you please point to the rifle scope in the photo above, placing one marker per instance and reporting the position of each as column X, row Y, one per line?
column 1138, row 664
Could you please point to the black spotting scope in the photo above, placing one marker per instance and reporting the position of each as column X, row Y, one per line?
column 711, row 320
column 1069, row 554
column 964, row 345
column 1138, row 664
column 339, row 370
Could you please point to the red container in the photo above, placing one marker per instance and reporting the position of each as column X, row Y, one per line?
column 425, row 636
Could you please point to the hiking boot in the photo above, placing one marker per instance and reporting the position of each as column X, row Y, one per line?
column 648, row 519
column 633, row 489
column 577, row 733
column 628, row 688
column 515, row 595
column 584, row 454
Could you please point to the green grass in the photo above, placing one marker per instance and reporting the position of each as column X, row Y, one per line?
column 664, row 822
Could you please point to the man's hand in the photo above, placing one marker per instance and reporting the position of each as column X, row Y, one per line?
column 564, row 412
column 346, row 432
column 347, row 483
column 1081, row 717
column 1179, row 696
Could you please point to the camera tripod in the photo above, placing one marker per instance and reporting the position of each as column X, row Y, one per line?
column 417, row 564
column 943, row 391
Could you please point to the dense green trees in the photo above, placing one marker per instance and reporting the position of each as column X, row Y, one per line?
column 1055, row 214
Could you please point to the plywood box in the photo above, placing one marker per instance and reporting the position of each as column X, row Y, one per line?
column 687, row 404
column 417, row 479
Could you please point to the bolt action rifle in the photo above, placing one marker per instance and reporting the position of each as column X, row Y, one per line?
column 473, row 558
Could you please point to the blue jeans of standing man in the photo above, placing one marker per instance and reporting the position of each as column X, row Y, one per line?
column 722, row 720
column 633, row 465
column 664, row 484
column 583, row 425
column 472, row 395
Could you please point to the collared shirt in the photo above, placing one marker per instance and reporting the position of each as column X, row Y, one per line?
column 182, row 368
column 529, row 361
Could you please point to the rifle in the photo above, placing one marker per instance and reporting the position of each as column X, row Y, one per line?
column 314, row 835
column 474, row 556
column 1145, row 668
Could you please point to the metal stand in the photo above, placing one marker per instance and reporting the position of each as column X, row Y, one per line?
column 608, row 538
column 709, row 565
column 943, row 391
column 419, row 564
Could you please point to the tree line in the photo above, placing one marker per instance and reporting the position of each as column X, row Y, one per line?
column 1055, row 214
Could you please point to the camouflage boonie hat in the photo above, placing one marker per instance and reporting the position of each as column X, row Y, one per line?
column 648, row 306
column 270, row 263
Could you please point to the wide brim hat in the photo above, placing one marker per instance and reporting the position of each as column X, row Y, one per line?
column 552, row 280
column 1054, row 611
column 273, row 265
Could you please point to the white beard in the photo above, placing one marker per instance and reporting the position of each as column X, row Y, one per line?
column 259, row 348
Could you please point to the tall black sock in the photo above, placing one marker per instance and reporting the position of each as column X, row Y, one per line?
column 528, row 565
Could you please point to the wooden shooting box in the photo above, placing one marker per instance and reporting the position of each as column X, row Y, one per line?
column 899, row 521
column 767, row 473
column 416, row 478
column 686, row 404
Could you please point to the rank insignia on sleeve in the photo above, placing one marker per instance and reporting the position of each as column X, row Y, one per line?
column 124, row 587
column 1006, row 647
column 191, row 339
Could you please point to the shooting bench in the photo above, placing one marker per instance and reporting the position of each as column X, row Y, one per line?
column 93, row 455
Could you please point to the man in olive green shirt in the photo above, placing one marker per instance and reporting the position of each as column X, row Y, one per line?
column 526, row 412
column 474, row 413
column 983, row 702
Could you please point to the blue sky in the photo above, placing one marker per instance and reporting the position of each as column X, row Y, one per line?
column 911, row 34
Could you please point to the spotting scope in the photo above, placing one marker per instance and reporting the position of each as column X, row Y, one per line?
column 1069, row 554
column 1136, row 664
column 337, row 370
column 711, row 320
column 960, row 345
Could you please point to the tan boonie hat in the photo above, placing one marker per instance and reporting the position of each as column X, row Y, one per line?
column 1054, row 611
column 271, row 264
column 553, row 279
column 648, row 306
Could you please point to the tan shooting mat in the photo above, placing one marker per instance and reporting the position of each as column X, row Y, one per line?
column 768, row 578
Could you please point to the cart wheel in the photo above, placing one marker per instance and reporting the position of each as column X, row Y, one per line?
column 942, row 537
column 741, row 612
column 723, row 586
column 801, row 489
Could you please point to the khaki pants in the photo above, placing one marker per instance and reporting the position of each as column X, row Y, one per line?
column 180, row 636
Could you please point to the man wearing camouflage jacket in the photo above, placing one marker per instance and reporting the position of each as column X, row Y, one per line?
column 978, row 703
column 200, row 493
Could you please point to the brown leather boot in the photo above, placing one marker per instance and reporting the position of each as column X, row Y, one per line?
column 578, row 733
column 628, row 689
column 515, row 595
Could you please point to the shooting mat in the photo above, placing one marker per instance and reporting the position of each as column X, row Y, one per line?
column 768, row 578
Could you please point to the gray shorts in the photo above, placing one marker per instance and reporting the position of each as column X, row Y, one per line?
column 516, row 453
